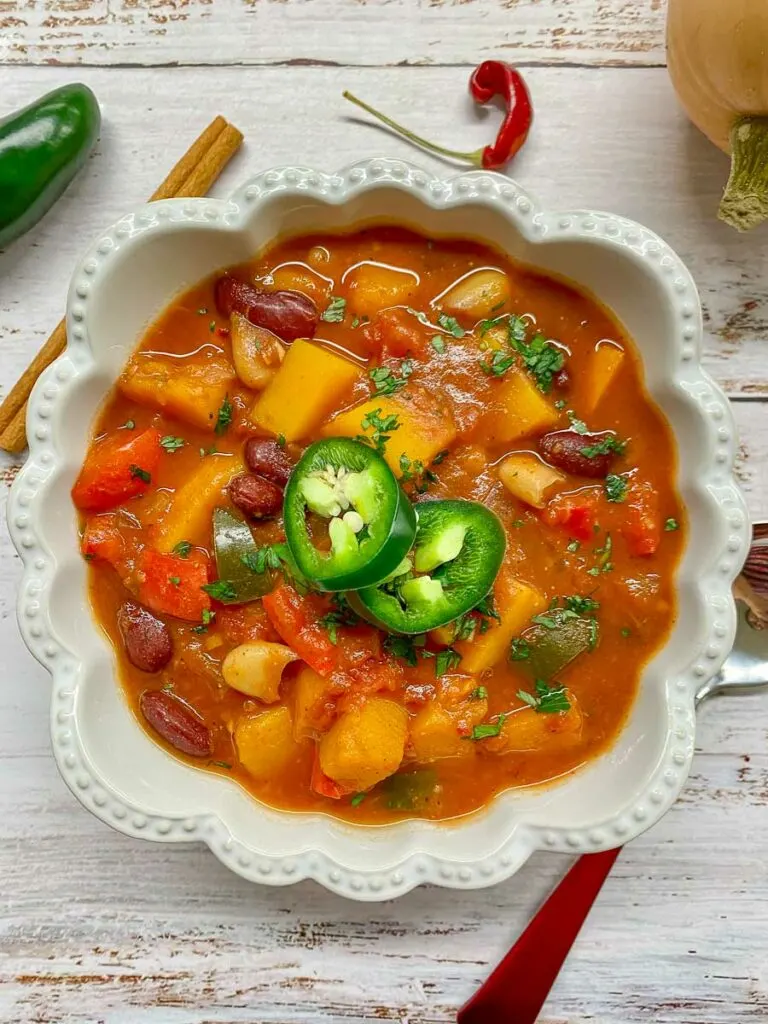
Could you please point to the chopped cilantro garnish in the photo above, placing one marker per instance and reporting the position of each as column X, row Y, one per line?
column 182, row 549
column 261, row 560
column 438, row 344
column 519, row 649
column 140, row 474
column 488, row 729
column 573, row 547
column 671, row 525
column 220, row 590
column 581, row 605
column 605, row 447
column 576, row 424
column 171, row 443
column 626, row 632
column 129, row 425
column 451, row 325
column 616, row 487
column 547, row 699
column 357, row 799
column 335, row 311
column 175, row 580
column 208, row 618
column 479, row 693
column 387, row 381
column 381, row 426
column 444, row 660
column 281, row 440
column 224, row 417
column 405, row 647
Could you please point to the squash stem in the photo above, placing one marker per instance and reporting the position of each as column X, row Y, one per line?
column 745, row 201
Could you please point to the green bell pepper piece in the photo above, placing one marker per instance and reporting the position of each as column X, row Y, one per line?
column 42, row 147
column 370, row 522
column 409, row 791
column 554, row 641
column 460, row 576
column 236, row 558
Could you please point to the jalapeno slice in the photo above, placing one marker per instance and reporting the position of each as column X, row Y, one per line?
column 347, row 522
column 457, row 553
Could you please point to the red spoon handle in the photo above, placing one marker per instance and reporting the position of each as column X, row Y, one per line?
column 516, row 991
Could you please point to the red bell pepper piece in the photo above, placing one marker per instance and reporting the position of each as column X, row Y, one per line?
column 296, row 620
column 102, row 539
column 575, row 513
column 642, row 524
column 117, row 469
column 171, row 585
column 395, row 333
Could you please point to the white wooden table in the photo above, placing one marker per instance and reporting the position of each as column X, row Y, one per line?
column 95, row 927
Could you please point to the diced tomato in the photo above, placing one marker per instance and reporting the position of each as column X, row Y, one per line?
column 321, row 784
column 576, row 513
column 296, row 620
column 102, row 539
column 641, row 528
column 171, row 585
column 120, row 467
column 357, row 644
column 245, row 622
column 394, row 332
column 376, row 675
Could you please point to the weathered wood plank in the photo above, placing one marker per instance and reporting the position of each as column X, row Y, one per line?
column 590, row 147
column 164, row 32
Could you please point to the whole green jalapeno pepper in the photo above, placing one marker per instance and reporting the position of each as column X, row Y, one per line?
column 42, row 147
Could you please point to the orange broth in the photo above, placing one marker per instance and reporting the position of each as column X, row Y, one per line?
column 635, row 592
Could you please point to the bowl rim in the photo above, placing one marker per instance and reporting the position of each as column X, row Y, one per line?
column 718, row 488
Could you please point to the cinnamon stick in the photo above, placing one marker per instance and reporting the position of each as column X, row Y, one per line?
column 193, row 175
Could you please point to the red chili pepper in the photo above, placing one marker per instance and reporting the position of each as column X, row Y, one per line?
column 489, row 79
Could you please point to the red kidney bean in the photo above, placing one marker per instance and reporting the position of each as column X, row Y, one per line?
column 176, row 722
column 147, row 640
column 256, row 497
column 268, row 459
column 287, row 314
column 565, row 448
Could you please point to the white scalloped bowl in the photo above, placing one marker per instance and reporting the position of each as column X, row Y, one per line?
column 108, row 761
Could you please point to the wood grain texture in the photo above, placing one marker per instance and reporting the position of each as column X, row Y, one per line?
column 332, row 32
column 96, row 928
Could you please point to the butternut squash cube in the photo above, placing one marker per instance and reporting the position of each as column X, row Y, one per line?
column 528, row 730
column 435, row 734
column 310, row 383
column 476, row 295
column 265, row 743
column 371, row 287
column 190, row 511
column 519, row 409
column 365, row 745
column 194, row 392
column 311, row 711
column 529, row 479
column 425, row 426
column 604, row 364
column 516, row 603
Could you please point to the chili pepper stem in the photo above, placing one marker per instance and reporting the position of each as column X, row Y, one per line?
column 475, row 157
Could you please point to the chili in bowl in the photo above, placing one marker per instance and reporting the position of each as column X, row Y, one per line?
column 383, row 523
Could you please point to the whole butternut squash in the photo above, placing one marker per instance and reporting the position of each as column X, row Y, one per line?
column 717, row 52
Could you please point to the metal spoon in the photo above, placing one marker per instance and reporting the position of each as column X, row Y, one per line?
column 517, row 989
